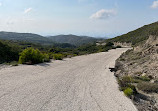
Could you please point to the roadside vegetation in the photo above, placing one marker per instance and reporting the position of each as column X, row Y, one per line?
column 132, row 85
column 28, row 53
column 137, row 81
column 148, row 87
column 8, row 53
column 32, row 56
column 142, row 80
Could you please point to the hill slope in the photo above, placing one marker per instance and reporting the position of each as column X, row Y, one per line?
column 72, row 39
column 138, row 35
column 8, row 53
column 28, row 37
column 52, row 40
column 141, row 65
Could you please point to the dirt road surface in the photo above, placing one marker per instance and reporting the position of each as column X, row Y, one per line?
column 82, row 83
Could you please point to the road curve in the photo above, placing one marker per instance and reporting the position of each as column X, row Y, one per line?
column 82, row 83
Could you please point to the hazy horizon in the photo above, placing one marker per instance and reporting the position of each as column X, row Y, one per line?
column 96, row 18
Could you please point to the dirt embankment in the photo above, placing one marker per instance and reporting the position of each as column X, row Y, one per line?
column 141, row 65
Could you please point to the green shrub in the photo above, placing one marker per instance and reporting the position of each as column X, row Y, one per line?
column 74, row 55
column 31, row 56
column 46, row 58
column 128, row 92
column 127, row 79
column 144, row 78
column 50, row 55
column 148, row 87
column 126, row 82
column 107, row 48
column 138, row 79
column 57, row 56
column 8, row 53
column 109, row 44
column 133, row 87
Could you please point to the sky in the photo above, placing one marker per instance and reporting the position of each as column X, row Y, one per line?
column 97, row 18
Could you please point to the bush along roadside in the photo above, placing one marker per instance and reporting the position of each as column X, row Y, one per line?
column 32, row 56
column 141, row 83
column 126, row 84
column 138, row 89
column 35, row 55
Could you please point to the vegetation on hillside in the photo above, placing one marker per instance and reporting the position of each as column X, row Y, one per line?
column 28, row 52
column 138, row 35
column 27, row 37
column 69, row 40
column 8, row 53
column 73, row 39
column 137, row 68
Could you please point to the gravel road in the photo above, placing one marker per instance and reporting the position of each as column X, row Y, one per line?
column 82, row 83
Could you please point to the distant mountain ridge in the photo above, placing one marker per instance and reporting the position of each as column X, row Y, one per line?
column 35, row 38
column 73, row 39
column 28, row 37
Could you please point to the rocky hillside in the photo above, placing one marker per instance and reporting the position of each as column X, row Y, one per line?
column 139, row 66
column 142, row 59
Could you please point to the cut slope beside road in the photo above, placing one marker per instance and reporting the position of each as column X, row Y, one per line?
column 81, row 83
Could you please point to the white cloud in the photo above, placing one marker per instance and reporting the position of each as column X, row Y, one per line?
column 27, row 10
column 0, row 4
column 155, row 4
column 103, row 14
